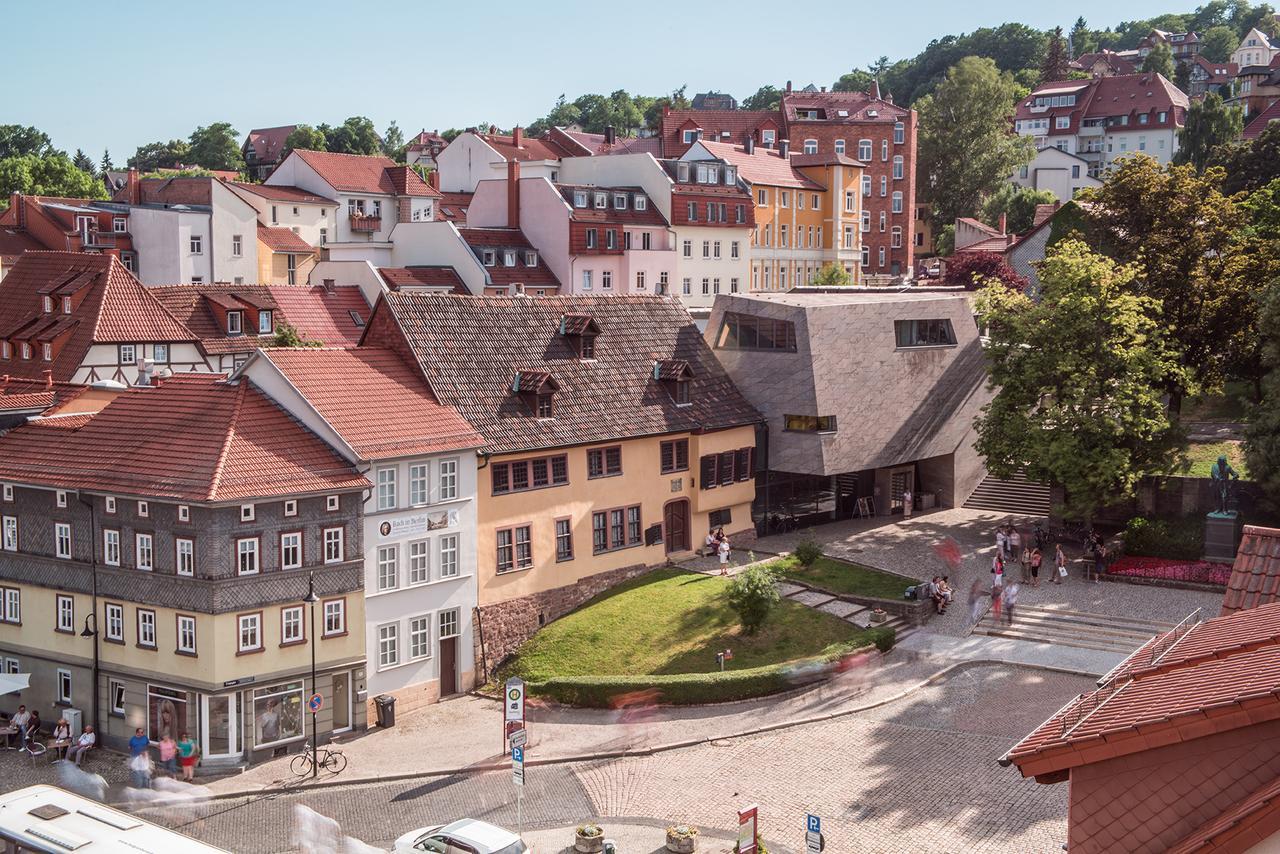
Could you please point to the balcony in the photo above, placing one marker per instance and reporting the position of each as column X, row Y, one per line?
column 95, row 239
column 365, row 224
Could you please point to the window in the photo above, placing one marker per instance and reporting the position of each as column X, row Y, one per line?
column 419, row 638
column 897, row 202
column 185, row 558
column 117, row 697
column 899, row 133
column 604, row 462
column 250, row 626
column 419, row 562
column 748, row 332
column 529, row 474
column 247, row 556
column 924, row 333
column 864, row 149
column 564, row 540
column 809, row 423
column 64, row 686
column 291, row 550
column 265, row 326
column 66, row 613
column 11, row 533
column 448, row 477
column 388, row 567
column 187, row 635
column 146, row 628
column 335, row 617
column 331, row 502
column 234, row 323
column 515, row 548
column 197, row 244
column 246, row 512
column 115, row 623
column 449, row 556
column 386, row 478
column 388, row 645
column 62, row 540
column 292, row 628
column 333, row 545
column 237, row 245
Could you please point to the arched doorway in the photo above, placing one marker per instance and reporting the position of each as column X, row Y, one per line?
column 675, row 525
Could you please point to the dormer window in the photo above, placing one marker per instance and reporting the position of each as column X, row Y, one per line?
column 579, row 198
column 509, row 258
column 66, row 305
column 265, row 326
column 530, row 258
column 641, row 202
column 235, row 322
column 48, row 305
column 676, row 376
column 490, row 258
column 619, row 201
column 602, row 201
column 536, row 389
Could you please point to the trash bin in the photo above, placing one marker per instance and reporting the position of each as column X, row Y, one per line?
column 386, row 706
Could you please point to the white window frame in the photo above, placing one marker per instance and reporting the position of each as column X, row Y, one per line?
column 61, row 535
column 248, row 561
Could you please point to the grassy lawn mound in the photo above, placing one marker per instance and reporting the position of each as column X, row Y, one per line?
column 839, row 576
column 663, row 630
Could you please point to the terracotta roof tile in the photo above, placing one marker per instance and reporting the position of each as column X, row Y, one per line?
column 378, row 403
column 284, row 240
column 471, row 349
column 188, row 439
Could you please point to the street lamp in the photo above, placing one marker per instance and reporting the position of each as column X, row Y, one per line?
column 87, row 632
column 311, row 600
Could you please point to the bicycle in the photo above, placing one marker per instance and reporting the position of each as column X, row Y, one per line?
column 326, row 759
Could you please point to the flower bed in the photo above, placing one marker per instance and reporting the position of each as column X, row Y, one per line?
column 1168, row 569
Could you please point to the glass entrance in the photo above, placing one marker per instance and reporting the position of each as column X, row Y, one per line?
column 341, row 702
column 221, row 726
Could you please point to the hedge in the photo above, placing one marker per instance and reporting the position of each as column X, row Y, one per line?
column 683, row 689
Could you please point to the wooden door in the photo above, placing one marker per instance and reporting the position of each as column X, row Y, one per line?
column 675, row 520
column 448, row 666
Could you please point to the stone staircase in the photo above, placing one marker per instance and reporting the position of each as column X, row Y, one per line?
column 1017, row 496
column 1072, row 628
column 853, row 612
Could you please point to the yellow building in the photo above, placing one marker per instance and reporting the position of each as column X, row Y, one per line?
column 614, row 441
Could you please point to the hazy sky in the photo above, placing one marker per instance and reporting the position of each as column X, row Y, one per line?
column 95, row 74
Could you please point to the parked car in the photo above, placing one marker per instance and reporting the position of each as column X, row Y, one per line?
column 465, row 836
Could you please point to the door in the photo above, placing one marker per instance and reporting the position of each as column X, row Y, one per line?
column 222, row 726
column 341, row 702
column 675, row 521
column 448, row 666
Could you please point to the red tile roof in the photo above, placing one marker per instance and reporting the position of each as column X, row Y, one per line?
column 423, row 277
column 268, row 143
column 498, row 239
column 283, row 240
column 765, row 167
column 282, row 193
column 1255, row 575
column 359, row 173
column 190, row 438
column 109, row 307
column 471, row 349
column 1221, row 675
column 1260, row 123
column 378, row 403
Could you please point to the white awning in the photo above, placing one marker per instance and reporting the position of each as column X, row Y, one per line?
column 12, row 683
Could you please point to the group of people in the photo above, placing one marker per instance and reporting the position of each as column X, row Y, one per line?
column 184, row 752
column 718, row 544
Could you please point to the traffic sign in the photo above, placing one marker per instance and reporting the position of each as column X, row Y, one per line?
column 517, row 765
column 813, row 841
column 513, row 699
column 316, row 703
column 520, row 738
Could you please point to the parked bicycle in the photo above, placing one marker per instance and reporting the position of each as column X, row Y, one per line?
column 325, row 759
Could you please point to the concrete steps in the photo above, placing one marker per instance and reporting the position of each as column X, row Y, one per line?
column 1016, row 496
column 1039, row 624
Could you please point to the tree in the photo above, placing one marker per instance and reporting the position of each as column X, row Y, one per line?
column 1088, row 415
column 1209, row 123
column 82, row 162
column 16, row 141
column 49, row 175
column 160, row 155
column 832, row 276
column 1249, row 164
column 1056, row 58
column 753, row 595
column 856, row 80
column 106, row 165
column 767, row 97
column 354, row 136
column 965, row 148
column 974, row 270
column 1218, row 43
column 1018, row 204
column 1159, row 61
column 216, row 147
column 1176, row 229
column 393, row 144
column 305, row 137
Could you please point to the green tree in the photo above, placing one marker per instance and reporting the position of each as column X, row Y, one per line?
column 767, row 97
column 1176, row 229
column 1018, row 204
column 1218, row 43
column 753, row 595
column 17, row 140
column 856, row 80
column 1209, row 123
column 832, row 276
column 965, row 148
column 305, row 137
column 1159, row 61
column 1089, row 416
column 1056, row 58
column 216, row 147
column 48, row 175
column 83, row 163
column 160, row 155
column 393, row 144
column 1249, row 164
column 106, row 165
column 354, row 136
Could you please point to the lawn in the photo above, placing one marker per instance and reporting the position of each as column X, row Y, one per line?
column 1202, row 458
column 851, row 578
column 671, row 621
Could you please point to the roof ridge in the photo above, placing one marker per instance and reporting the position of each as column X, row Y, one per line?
column 216, row 480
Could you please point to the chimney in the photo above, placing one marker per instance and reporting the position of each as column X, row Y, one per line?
column 784, row 148
column 134, row 187
column 1004, row 223
column 513, row 194
column 788, row 90
column 517, row 136
column 433, row 179
column 48, row 378
column 610, row 135
column 749, row 144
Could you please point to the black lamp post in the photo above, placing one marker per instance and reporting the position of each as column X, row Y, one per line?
column 87, row 632
column 311, row 600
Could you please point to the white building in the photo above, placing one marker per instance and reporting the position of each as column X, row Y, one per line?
column 1058, row 171
column 420, row 517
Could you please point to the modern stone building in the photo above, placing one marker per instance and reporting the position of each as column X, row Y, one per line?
column 866, row 394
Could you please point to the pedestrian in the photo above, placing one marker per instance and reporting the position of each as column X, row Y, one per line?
column 140, row 770
column 169, row 754
column 907, row 499
column 724, row 549
column 1059, row 564
column 1036, row 560
column 19, row 720
column 188, row 753
column 84, row 744
column 1010, row 601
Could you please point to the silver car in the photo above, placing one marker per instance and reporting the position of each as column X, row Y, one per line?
column 465, row 836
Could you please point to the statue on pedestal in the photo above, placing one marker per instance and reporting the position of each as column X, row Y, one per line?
column 1222, row 474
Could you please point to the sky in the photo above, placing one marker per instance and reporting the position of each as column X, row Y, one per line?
column 117, row 76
